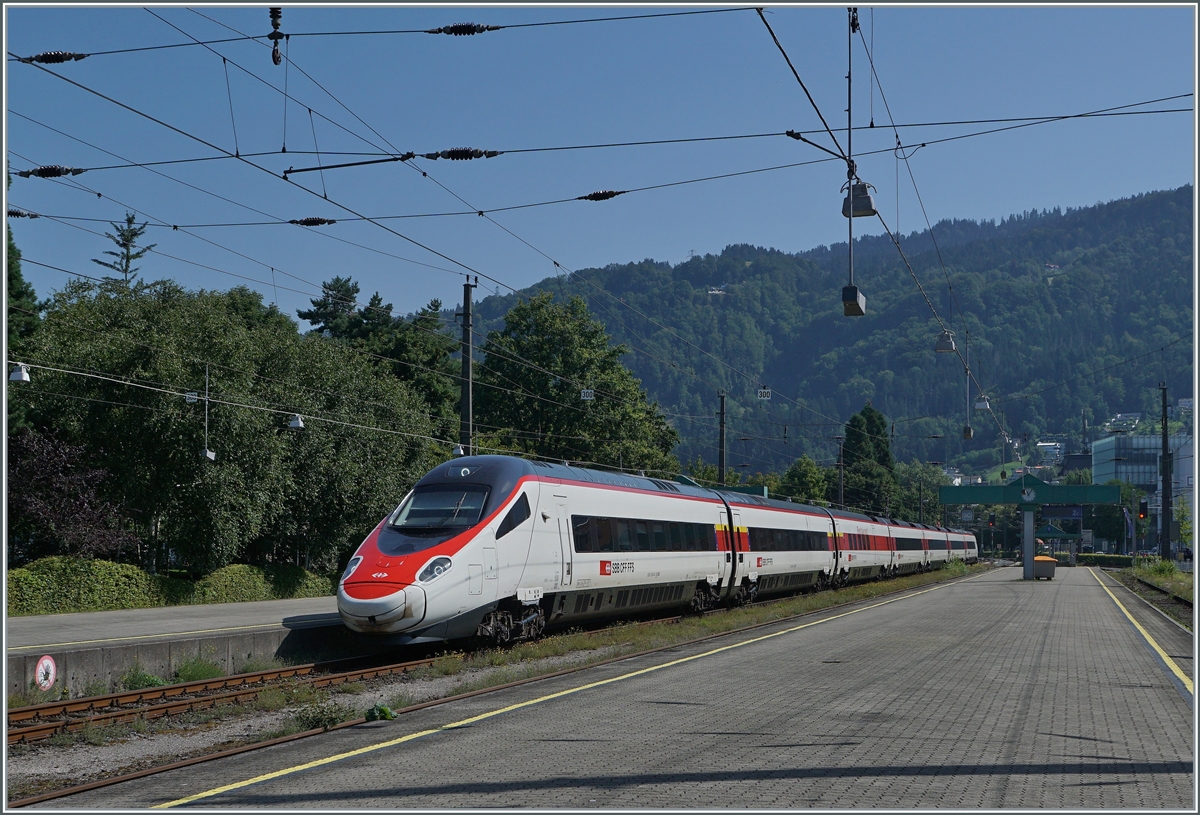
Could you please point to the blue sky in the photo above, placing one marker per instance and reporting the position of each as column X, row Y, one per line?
column 553, row 86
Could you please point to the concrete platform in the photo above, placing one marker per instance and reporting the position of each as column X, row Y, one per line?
column 985, row 693
column 92, row 649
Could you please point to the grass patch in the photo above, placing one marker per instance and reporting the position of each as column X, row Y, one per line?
column 256, row 664
column 137, row 678
column 196, row 669
column 1166, row 575
column 33, row 695
column 323, row 715
column 349, row 687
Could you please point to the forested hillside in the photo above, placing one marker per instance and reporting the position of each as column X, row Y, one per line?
column 1066, row 313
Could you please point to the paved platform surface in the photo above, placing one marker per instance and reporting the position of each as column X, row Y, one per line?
column 991, row 692
column 46, row 631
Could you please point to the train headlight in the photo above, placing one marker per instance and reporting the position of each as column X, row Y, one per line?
column 350, row 567
column 434, row 569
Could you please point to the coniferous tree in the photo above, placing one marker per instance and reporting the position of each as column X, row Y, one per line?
column 126, row 239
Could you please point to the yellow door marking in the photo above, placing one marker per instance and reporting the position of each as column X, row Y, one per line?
column 557, row 695
column 1170, row 663
column 144, row 637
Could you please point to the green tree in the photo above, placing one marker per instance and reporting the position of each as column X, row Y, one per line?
column 126, row 239
column 419, row 348
column 1082, row 476
column 804, row 481
column 919, row 482
column 529, row 400
column 869, row 483
column 272, row 493
column 23, row 321
column 1183, row 517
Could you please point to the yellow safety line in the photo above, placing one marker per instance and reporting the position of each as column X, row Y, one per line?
column 1170, row 663
column 557, row 695
column 143, row 637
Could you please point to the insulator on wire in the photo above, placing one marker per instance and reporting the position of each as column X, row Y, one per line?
column 462, row 154
column 602, row 195
column 464, row 29
column 16, row 213
column 312, row 221
column 52, row 57
column 50, row 171
column 276, row 35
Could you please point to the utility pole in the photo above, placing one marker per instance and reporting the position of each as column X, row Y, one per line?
column 921, row 501
column 466, row 407
column 721, row 453
column 841, row 471
column 1164, row 518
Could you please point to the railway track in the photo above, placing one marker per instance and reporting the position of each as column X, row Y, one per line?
column 1166, row 592
column 36, row 722
column 307, row 673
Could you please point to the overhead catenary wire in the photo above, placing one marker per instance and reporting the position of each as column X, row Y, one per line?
column 258, row 37
column 383, row 156
column 803, row 87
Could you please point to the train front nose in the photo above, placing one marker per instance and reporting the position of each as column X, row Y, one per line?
column 378, row 607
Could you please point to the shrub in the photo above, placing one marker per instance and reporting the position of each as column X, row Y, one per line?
column 1112, row 561
column 56, row 585
column 323, row 715
column 137, row 678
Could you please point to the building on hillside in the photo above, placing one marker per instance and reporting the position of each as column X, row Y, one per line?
column 1050, row 453
column 1123, row 423
column 1136, row 460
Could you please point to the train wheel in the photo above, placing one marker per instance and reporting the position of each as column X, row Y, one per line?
column 496, row 627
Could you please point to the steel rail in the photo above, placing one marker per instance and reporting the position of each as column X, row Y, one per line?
column 252, row 684
column 1167, row 592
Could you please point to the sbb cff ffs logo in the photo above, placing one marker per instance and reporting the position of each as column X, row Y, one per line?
column 608, row 567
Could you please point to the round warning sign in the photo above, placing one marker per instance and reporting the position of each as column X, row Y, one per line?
column 46, row 673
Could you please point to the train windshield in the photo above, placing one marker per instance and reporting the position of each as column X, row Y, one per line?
column 434, row 514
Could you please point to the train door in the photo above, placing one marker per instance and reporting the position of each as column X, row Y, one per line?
column 564, row 540
column 738, row 557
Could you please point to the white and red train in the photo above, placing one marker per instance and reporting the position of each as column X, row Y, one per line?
column 501, row 547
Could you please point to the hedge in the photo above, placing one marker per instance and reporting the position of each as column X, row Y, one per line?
column 1112, row 561
column 58, row 585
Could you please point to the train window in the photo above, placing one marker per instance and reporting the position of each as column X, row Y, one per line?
column 676, row 533
column 581, row 528
column 605, row 535
column 441, row 509
column 659, row 536
column 643, row 536
column 515, row 517
column 624, row 537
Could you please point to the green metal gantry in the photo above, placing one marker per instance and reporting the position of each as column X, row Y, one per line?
column 1029, row 492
